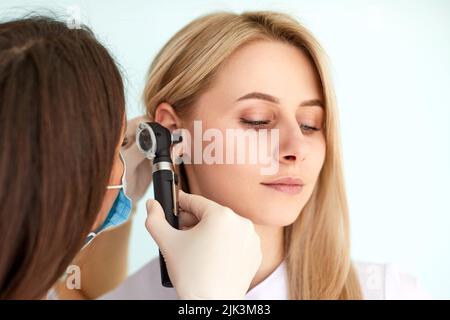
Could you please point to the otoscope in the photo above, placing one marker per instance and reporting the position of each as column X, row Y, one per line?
column 155, row 141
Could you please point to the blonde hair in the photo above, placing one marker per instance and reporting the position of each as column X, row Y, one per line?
column 317, row 244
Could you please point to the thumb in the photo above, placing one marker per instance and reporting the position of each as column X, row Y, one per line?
column 195, row 204
column 160, row 229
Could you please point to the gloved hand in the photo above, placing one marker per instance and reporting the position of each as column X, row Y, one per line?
column 216, row 259
column 139, row 168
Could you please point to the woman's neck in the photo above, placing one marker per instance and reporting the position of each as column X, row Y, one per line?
column 272, row 251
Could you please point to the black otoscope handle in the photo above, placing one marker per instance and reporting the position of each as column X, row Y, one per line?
column 164, row 186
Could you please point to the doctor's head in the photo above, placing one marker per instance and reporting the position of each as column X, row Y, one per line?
column 62, row 112
column 261, row 72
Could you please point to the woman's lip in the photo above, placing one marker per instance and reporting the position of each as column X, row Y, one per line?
column 292, row 189
column 288, row 180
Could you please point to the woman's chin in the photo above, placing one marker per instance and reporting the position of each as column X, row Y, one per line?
column 275, row 218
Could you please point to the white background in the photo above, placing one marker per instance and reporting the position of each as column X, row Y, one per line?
column 391, row 66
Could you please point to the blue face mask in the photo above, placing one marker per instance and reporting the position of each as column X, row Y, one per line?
column 119, row 212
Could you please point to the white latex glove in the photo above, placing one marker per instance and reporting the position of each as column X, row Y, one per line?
column 216, row 259
column 139, row 168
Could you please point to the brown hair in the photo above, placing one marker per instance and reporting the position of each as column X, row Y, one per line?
column 62, row 108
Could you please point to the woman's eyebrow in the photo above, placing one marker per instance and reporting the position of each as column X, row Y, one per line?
column 312, row 103
column 270, row 98
column 260, row 96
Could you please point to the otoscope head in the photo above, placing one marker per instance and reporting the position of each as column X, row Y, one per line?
column 155, row 141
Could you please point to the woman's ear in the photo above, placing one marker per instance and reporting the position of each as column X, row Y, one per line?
column 166, row 116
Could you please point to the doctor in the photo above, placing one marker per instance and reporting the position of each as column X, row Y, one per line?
column 62, row 177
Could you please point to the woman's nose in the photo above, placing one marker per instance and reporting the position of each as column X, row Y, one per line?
column 293, row 145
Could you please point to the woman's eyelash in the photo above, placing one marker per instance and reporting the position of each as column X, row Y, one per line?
column 256, row 123
column 309, row 128
column 259, row 123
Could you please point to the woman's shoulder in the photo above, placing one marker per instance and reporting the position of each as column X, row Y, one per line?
column 387, row 281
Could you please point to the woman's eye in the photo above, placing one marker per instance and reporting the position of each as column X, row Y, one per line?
column 125, row 142
column 308, row 129
column 255, row 123
column 263, row 123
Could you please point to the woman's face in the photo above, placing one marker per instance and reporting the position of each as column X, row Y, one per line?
column 117, row 172
column 275, row 84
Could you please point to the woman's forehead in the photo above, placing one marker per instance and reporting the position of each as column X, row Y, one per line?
column 271, row 67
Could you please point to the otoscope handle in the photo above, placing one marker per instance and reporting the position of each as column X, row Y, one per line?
column 164, row 182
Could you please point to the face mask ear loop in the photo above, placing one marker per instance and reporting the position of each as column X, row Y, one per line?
column 89, row 239
column 119, row 186
column 92, row 234
column 95, row 233
column 114, row 187
column 124, row 181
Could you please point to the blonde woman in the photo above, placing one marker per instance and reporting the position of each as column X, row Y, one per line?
column 254, row 71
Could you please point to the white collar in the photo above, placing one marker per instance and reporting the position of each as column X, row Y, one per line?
column 274, row 287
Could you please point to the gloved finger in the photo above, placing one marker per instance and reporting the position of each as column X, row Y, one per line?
column 160, row 229
column 186, row 220
column 195, row 204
